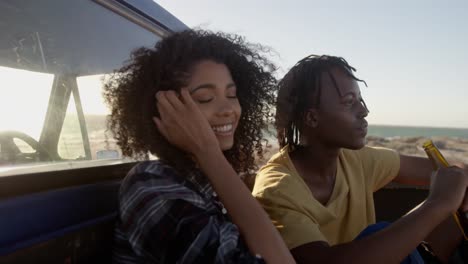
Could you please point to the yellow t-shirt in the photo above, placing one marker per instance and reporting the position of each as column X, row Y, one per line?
column 301, row 219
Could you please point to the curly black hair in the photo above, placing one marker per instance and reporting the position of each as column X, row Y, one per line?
column 300, row 89
column 130, row 93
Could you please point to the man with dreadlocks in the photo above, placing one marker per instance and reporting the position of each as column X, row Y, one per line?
column 318, row 190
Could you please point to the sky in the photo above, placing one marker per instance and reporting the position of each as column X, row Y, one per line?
column 412, row 54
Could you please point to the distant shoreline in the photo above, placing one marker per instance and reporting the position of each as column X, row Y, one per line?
column 388, row 131
column 454, row 149
column 410, row 126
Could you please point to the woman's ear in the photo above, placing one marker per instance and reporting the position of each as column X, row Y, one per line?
column 311, row 118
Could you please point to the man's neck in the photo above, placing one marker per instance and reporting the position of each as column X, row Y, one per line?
column 316, row 160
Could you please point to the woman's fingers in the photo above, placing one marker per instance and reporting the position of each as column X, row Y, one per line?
column 165, row 108
column 174, row 100
column 170, row 103
column 163, row 102
column 181, row 122
column 172, row 113
column 160, row 126
column 187, row 99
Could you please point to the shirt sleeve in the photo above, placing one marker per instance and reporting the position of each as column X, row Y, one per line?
column 381, row 166
column 167, row 222
column 282, row 201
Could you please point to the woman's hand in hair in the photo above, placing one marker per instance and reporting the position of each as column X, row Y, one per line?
column 182, row 123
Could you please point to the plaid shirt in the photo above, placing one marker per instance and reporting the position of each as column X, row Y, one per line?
column 167, row 218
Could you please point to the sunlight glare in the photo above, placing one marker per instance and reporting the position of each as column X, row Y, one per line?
column 24, row 96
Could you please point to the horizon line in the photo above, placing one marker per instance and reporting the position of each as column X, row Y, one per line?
column 416, row 126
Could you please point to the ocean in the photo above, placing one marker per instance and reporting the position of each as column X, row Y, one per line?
column 407, row 131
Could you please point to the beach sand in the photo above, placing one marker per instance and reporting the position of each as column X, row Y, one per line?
column 454, row 149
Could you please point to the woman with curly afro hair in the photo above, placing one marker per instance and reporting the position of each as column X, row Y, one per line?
column 199, row 101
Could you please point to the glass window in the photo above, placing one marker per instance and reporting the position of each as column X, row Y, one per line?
column 70, row 145
column 23, row 146
column 102, row 144
column 53, row 55
column 24, row 96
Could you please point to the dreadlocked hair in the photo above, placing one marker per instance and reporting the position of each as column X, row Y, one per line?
column 300, row 89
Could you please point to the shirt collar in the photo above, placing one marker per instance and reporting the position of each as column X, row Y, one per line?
column 201, row 183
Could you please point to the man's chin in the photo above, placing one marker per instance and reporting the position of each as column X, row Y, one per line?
column 357, row 145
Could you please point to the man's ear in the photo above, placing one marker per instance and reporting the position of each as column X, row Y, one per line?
column 311, row 118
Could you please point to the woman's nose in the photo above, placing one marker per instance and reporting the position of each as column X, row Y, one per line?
column 225, row 108
column 226, row 111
